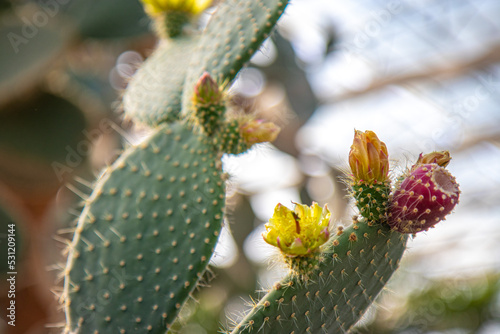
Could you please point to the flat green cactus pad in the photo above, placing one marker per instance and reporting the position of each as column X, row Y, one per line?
column 352, row 273
column 145, row 236
column 154, row 94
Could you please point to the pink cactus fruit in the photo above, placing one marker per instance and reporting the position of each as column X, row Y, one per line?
column 423, row 199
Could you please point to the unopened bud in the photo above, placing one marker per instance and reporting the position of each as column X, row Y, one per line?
column 257, row 131
column 368, row 157
column 207, row 91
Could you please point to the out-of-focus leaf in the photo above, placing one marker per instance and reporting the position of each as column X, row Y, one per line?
column 107, row 18
column 46, row 127
column 42, row 142
column 4, row 5
column 27, row 51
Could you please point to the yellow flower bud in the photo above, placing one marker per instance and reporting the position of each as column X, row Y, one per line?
column 193, row 7
column 257, row 131
column 441, row 158
column 299, row 232
column 368, row 158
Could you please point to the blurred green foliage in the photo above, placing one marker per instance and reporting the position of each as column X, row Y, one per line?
column 467, row 305
column 109, row 19
column 56, row 120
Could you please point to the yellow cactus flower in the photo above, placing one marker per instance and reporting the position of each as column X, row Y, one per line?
column 368, row 157
column 441, row 158
column 193, row 7
column 257, row 131
column 298, row 232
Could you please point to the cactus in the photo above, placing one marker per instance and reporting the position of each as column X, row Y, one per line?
column 233, row 35
column 148, row 230
column 328, row 292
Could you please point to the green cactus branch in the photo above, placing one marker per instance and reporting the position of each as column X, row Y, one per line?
column 234, row 33
column 166, row 80
column 353, row 271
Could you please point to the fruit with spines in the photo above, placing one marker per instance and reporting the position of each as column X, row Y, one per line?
column 424, row 198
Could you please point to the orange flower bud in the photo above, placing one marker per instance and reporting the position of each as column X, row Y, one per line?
column 368, row 158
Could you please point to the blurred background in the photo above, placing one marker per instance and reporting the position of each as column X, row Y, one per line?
column 424, row 75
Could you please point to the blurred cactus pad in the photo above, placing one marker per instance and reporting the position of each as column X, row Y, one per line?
column 149, row 228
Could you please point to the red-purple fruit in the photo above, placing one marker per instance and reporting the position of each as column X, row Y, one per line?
column 423, row 199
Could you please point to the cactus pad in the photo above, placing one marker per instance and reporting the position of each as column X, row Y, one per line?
column 145, row 236
column 154, row 93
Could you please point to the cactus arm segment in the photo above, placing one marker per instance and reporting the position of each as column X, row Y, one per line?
column 234, row 33
column 353, row 271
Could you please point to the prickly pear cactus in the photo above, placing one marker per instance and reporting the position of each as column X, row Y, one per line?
column 149, row 228
column 234, row 33
column 333, row 281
